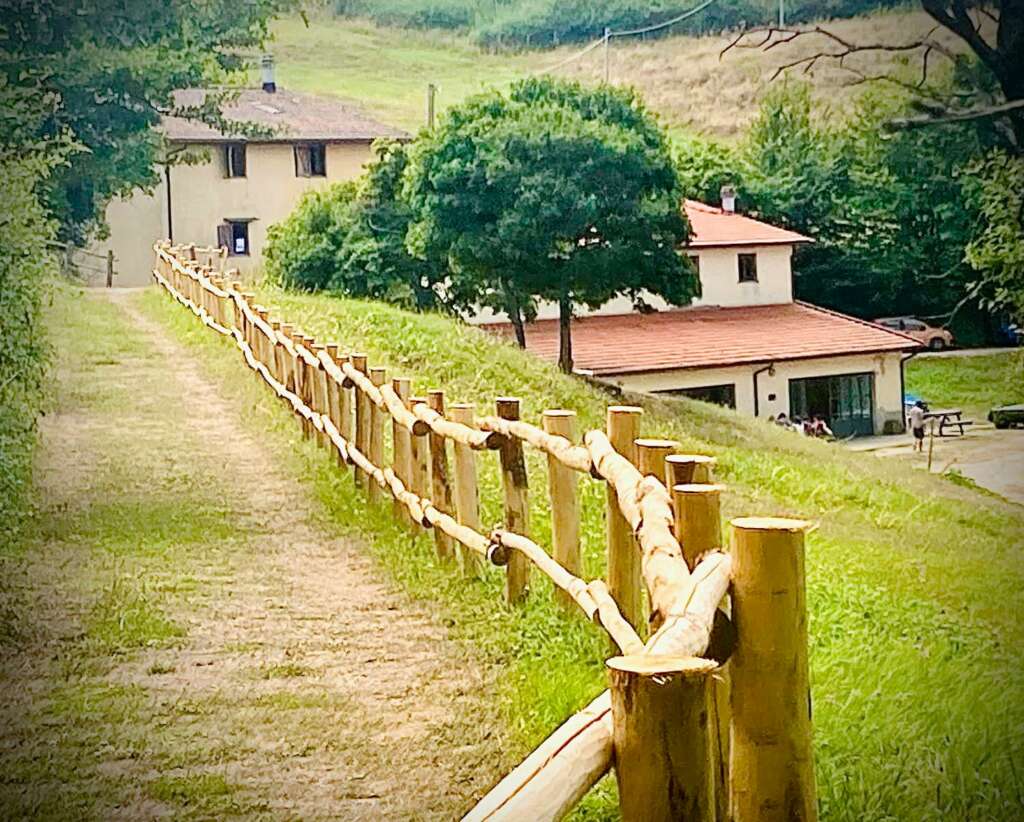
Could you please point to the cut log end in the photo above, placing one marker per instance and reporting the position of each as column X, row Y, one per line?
column 770, row 524
column 661, row 665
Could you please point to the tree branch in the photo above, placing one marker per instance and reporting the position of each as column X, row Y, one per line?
column 956, row 116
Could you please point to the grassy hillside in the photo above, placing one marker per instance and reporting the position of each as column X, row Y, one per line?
column 683, row 78
column 914, row 584
column 975, row 384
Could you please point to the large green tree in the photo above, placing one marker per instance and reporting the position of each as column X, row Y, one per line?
column 99, row 74
column 550, row 192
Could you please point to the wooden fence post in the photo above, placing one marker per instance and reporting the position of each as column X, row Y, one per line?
column 663, row 755
column 440, row 489
column 419, row 459
column 771, row 768
column 698, row 528
column 623, row 553
column 319, row 403
column 401, row 441
column 467, row 501
column 362, row 417
column 651, row 455
column 565, row 512
column 345, row 412
column 689, row 469
column 378, row 376
column 517, row 509
column 110, row 268
column 333, row 399
column 308, row 383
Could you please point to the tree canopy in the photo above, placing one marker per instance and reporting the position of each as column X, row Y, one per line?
column 96, row 75
column 553, row 192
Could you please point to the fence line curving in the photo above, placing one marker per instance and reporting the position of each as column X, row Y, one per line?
column 707, row 718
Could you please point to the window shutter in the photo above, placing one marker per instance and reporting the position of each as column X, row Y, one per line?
column 302, row 158
column 224, row 236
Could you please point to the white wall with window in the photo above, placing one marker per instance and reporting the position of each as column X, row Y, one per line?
column 883, row 388
column 243, row 188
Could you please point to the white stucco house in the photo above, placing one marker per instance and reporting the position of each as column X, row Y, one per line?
column 244, row 185
column 745, row 342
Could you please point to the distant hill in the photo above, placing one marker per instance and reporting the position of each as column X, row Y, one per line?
column 682, row 77
column 550, row 23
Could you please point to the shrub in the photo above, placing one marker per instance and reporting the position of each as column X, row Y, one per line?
column 350, row 238
column 25, row 269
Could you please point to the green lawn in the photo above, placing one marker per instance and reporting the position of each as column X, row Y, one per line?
column 387, row 70
column 915, row 640
column 975, row 384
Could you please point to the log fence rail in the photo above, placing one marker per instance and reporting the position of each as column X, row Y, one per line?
column 684, row 727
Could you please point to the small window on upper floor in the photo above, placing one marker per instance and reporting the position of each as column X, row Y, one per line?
column 234, row 160
column 748, row 267
column 695, row 262
column 311, row 160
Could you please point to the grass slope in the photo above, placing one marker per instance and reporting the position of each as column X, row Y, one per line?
column 683, row 78
column 975, row 384
column 915, row 640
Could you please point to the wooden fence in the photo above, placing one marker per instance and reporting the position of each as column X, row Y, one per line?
column 706, row 719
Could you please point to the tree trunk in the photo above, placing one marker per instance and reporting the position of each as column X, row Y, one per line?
column 565, row 333
column 515, row 314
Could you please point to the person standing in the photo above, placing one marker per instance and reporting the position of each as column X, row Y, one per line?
column 917, row 420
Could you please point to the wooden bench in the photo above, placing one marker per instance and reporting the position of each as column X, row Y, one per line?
column 951, row 418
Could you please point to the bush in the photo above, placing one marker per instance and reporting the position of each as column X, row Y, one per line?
column 350, row 239
column 25, row 271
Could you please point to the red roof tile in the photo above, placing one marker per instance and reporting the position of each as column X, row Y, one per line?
column 711, row 227
column 710, row 337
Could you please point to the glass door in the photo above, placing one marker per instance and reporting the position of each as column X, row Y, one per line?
column 845, row 402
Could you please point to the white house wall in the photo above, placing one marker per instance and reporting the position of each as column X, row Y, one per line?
column 773, row 389
column 202, row 198
column 719, row 279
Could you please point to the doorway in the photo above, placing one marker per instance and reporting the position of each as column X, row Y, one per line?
column 845, row 402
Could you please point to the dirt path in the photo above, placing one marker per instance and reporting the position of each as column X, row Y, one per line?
column 189, row 637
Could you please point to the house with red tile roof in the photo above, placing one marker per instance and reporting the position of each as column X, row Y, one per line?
column 745, row 342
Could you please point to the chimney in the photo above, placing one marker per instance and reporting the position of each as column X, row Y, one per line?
column 267, row 73
column 728, row 194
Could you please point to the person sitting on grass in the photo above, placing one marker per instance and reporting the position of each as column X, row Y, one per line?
column 917, row 420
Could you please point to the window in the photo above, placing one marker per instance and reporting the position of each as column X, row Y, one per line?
column 234, row 160
column 718, row 394
column 311, row 160
column 234, row 235
column 845, row 402
column 748, row 267
column 695, row 262
column 915, row 325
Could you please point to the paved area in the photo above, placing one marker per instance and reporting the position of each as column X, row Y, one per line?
column 965, row 352
column 993, row 459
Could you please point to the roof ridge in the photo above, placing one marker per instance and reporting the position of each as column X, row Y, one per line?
column 858, row 320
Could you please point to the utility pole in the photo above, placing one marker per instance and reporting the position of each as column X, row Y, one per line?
column 607, row 39
column 431, row 94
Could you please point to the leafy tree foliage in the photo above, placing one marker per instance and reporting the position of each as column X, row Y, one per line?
column 890, row 213
column 350, row 238
column 25, row 268
column 998, row 251
column 99, row 73
column 550, row 192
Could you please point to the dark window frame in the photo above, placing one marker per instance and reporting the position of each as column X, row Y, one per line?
column 232, row 230
column 235, row 161
column 747, row 273
column 722, row 394
column 310, row 159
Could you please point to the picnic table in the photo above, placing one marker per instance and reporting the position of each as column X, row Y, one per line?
column 951, row 418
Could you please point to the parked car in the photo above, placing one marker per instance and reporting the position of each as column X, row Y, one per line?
column 935, row 338
column 1007, row 416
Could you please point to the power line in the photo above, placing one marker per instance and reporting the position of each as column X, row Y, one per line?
column 609, row 34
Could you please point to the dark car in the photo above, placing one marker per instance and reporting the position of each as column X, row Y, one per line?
column 1006, row 416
